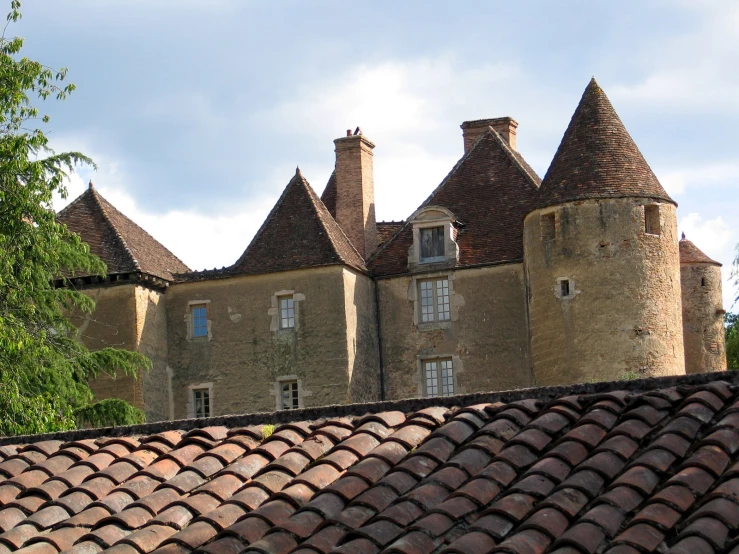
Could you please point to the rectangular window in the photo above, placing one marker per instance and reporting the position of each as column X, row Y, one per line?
column 287, row 312
column 548, row 227
column 199, row 318
column 434, row 300
column 290, row 398
column 564, row 287
column 651, row 220
column 432, row 243
column 201, row 402
column 439, row 377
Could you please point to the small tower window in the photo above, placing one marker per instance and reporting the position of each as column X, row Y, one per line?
column 651, row 220
column 548, row 227
column 564, row 287
column 703, row 281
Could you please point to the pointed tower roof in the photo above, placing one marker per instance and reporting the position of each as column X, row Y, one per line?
column 691, row 254
column 329, row 194
column 119, row 242
column 597, row 158
column 489, row 191
column 298, row 233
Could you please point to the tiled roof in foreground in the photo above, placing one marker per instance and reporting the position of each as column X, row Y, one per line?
column 620, row 468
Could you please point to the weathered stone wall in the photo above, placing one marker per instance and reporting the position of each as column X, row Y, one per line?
column 361, row 330
column 703, row 322
column 245, row 353
column 623, row 313
column 486, row 337
column 151, row 330
column 112, row 324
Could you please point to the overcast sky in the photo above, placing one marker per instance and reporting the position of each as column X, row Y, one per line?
column 197, row 112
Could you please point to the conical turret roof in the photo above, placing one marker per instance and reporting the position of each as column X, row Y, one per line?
column 597, row 158
column 691, row 254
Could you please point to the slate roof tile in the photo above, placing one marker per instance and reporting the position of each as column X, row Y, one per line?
column 119, row 242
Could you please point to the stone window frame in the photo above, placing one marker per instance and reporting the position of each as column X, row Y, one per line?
column 652, row 220
column 457, row 371
column 277, row 391
column 191, row 398
column 548, row 233
column 274, row 311
column 558, row 288
column 190, row 323
column 455, row 301
column 451, row 248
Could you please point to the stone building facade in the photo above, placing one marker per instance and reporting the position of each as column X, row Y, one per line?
column 499, row 280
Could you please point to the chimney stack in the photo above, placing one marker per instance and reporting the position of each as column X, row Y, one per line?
column 355, row 191
column 473, row 130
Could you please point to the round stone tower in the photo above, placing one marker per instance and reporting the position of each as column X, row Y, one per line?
column 703, row 321
column 601, row 258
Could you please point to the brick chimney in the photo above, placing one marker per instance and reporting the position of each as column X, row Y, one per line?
column 355, row 191
column 472, row 130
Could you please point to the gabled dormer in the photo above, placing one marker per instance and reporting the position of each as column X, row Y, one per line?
column 434, row 239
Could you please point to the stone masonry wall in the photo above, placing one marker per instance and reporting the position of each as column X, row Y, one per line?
column 703, row 322
column 151, row 330
column 486, row 337
column 112, row 324
column 623, row 313
column 245, row 353
column 362, row 344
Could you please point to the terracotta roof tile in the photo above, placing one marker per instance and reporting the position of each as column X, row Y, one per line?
column 597, row 158
column 119, row 242
column 646, row 470
column 489, row 191
column 691, row 254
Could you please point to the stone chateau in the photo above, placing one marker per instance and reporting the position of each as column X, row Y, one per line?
column 499, row 280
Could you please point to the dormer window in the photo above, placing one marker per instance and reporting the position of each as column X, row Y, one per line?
column 432, row 244
column 434, row 239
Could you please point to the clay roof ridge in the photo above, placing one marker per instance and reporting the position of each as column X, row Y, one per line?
column 517, row 159
column 98, row 200
column 331, row 227
column 597, row 158
column 409, row 405
column 266, row 221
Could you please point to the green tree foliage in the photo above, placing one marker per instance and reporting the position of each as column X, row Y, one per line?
column 732, row 340
column 44, row 370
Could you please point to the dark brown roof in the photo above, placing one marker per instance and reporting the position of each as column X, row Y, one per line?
column 119, row 242
column 489, row 191
column 329, row 195
column 298, row 233
column 631, row 467
column 691, row 254
column 597, row 158
column 386, row 230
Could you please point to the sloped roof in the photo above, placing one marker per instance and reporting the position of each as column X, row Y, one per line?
column 691, row 254
column 119, row 242
column 298, row 233
column 597, row 158
column 489, row 191
column 328, row 197
column 386, row 230
column 622, row 468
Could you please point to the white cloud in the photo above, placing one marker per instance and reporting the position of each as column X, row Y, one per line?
column 691, row 69
column 678, row 181
column 201, row 241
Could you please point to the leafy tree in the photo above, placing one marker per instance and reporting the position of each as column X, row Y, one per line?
column 44, row 370
column 732, row 340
